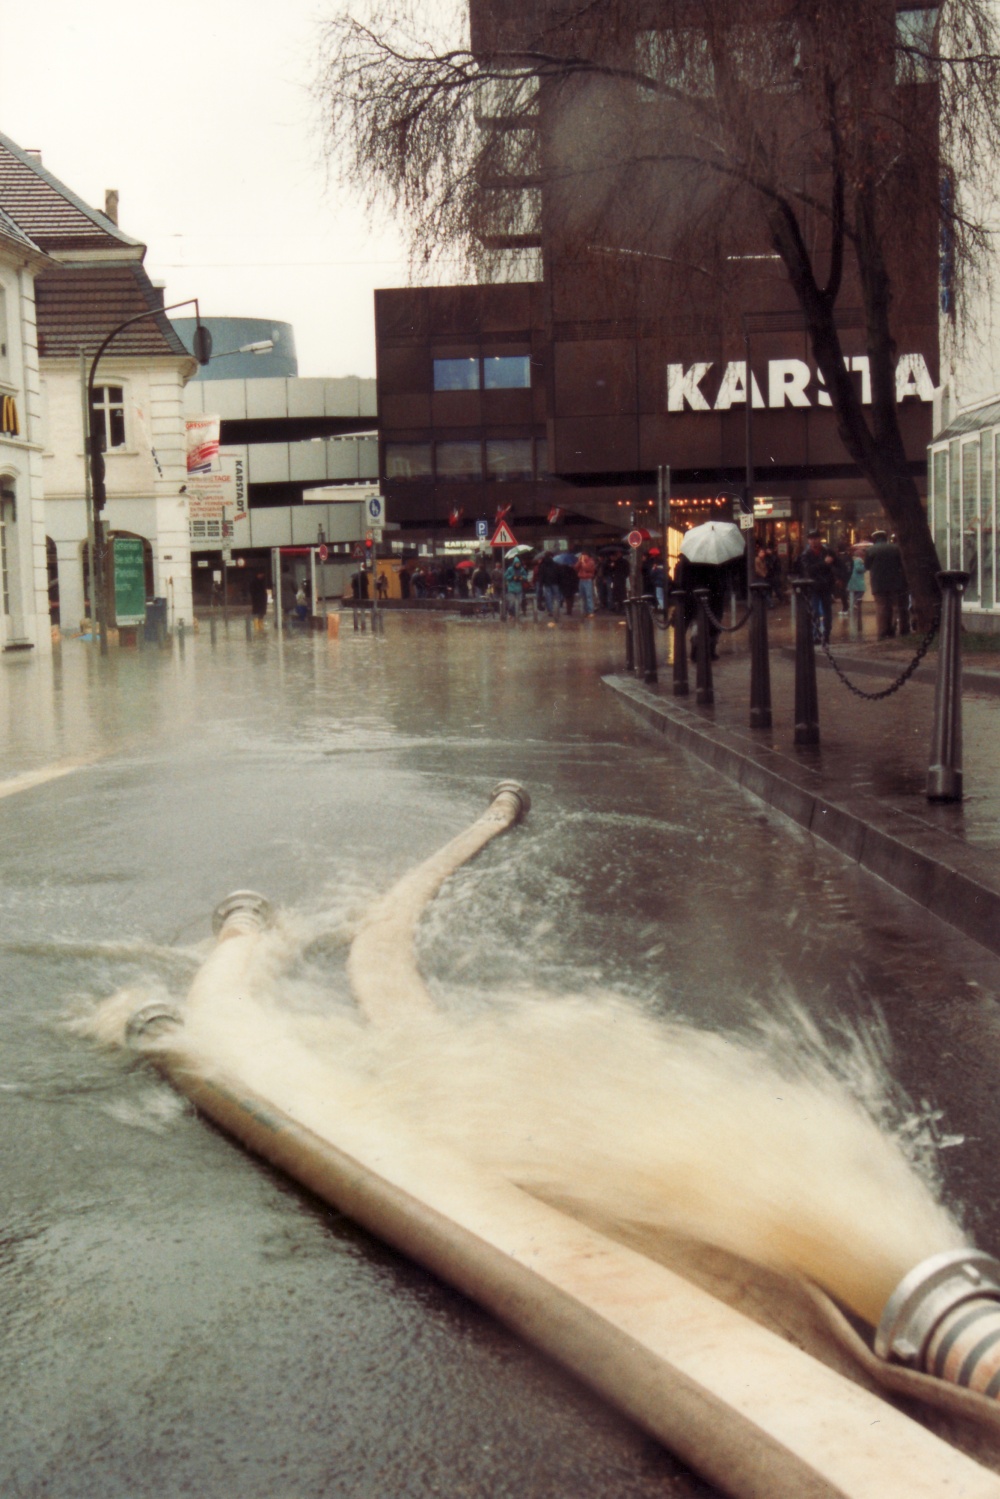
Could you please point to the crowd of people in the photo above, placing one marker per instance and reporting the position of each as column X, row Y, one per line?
column 839, row 575
column 554, row 582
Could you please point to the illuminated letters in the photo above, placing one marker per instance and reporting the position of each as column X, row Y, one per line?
column 683, row 387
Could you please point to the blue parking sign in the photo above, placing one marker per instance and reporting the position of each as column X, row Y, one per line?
column 482, row 530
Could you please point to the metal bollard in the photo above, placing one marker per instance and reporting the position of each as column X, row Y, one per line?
column 212, row 629
column 681, row 688
column 944, row 775
column 704, row 691
column 646, row 634
column 806, row 700
column 760, row 664
column 629, row 637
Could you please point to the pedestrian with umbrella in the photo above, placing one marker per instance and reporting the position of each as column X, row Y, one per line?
column 706, row 552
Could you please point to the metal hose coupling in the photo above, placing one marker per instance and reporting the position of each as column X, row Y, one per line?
column 944, row 1319
column 242, row 911
column 151, row 1022
column 517, row 791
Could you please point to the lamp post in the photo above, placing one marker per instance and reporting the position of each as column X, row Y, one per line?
column 202, row 349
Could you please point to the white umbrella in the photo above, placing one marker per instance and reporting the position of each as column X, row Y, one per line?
column 714, row 541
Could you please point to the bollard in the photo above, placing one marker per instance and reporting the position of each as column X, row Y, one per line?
column 760, row 664
column 681, row 688
column 629, row 637
column 212, row 628
column 944, row 775
column 806, row 701
column 645, row 614
column 704, row 692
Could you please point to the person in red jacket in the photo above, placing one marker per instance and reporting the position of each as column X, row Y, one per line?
column 586, row 572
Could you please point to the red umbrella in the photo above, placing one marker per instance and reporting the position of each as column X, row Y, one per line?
column 465, row 564
column 654, row 552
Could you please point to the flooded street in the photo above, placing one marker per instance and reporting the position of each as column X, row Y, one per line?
column 181, row 1320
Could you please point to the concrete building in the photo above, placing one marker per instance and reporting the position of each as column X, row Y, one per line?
column 303, row 455
column 93, row 280
column 24, row 607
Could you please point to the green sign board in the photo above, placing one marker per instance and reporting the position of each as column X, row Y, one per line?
column 130, row 581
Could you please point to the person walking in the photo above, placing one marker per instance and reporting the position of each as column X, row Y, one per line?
column 889, row 587
column 690, row 575
column 856, row 584
column 818, row 563
column 547, row 579
column 515, row 578
column 258, row 600
column 586, row 572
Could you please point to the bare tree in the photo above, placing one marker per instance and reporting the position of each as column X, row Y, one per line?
column 852, row 142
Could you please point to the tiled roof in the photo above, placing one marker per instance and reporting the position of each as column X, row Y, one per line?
column 13, row 231
column 77, row 307
column 44, row 208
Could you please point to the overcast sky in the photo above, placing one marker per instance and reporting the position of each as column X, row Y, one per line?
column 198, row 112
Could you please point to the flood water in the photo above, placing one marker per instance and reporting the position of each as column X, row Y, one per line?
column 180, row 1320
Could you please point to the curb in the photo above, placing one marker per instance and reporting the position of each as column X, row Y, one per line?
column 956, row 883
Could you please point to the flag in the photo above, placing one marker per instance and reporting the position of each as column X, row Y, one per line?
column 555, row 515
column 455, row 516
column 503, row 510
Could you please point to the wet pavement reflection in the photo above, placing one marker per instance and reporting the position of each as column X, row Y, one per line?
column 181, row 1320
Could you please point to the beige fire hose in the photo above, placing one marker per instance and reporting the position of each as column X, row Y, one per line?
column 744, row 1407
column 382, row 965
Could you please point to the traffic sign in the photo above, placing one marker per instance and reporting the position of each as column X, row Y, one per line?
column 324, row 552
column 482, row 530
column 358, row 551
column 635, row 538
column 503, row 536
column 375, row 508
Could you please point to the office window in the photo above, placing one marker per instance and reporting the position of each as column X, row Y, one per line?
column 508, row 458
column 456, row 374
column 507, row 372
column 459, row 460
column 109, row 416
column 408, row 460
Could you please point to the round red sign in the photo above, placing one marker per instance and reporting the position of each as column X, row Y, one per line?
column 635, row 538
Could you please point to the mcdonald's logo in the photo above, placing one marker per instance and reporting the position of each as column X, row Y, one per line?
column 9, row 424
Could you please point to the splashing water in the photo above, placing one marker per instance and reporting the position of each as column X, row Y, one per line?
column 766, row 1147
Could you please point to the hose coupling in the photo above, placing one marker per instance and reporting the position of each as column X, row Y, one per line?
column 150, row 1022
column 943, row 1319
column 516, row 790
column 242, row 911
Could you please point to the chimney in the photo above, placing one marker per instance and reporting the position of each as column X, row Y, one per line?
column 111, row 204
column 34, row 155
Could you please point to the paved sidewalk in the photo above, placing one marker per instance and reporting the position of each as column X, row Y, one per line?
column 862, row 789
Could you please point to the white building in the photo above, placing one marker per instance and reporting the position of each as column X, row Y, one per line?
column 24, row 606
column 94, row 280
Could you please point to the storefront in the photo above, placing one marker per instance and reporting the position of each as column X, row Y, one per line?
column 963, row 508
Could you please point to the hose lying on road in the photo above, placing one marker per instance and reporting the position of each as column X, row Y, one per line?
column 382, row 965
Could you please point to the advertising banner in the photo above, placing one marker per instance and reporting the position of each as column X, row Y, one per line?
column 217, row 504
column 203, row 444
column 130, row 581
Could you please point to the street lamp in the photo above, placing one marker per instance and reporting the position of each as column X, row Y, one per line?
column 202, row 350
column 262, row 346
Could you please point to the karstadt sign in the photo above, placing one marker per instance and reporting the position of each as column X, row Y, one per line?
column 790, row 382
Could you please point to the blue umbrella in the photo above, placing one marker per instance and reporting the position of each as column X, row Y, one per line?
column 567, row 559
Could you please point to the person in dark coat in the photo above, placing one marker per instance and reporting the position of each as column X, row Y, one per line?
column 619, row 583
column 818, row 563
column 258, row 599
column 884, row 562
column 690, row 575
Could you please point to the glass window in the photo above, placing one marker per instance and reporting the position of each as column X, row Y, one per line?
column 109, row 416
column 459, row 460
column 4, row 358
column 954, row 506
column 940, row 493
column 408, row 460
column 507, row 372
column 915, row 44
column 987, row 529
column 456, row 374
column 970, row 516
column 508, row 458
